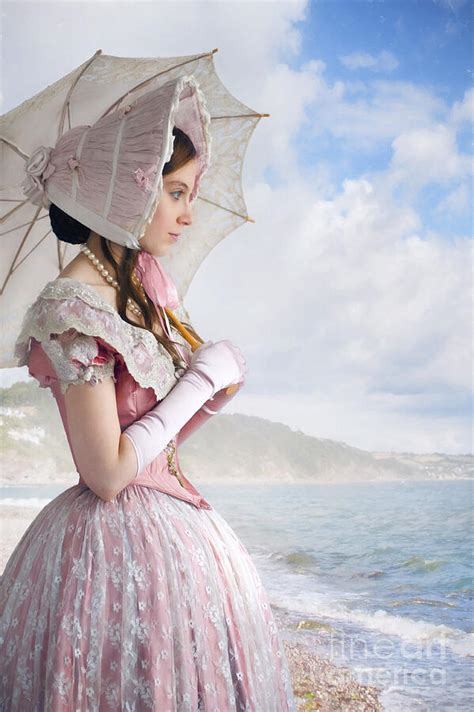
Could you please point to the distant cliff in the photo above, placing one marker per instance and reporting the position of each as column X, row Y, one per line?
column 228, row 448
column 242, row 447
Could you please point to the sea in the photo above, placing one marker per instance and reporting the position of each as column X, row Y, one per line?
column 376, row 576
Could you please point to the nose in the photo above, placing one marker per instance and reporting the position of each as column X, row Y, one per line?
column 186, row 216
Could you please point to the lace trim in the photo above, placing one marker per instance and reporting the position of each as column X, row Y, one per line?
column 76, row 359
column 92, row 374
column 168, row 149
column 57, row 310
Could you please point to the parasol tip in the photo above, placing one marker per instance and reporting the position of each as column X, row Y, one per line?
column 215, row 50
column 249, row 219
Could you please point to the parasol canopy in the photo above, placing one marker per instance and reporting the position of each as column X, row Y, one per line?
column 31, row 255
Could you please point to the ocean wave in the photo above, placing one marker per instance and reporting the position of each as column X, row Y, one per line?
column 418, row 563
column 297, row 559
column 463, row 593
column 408, row 629
column 461, row 586
column 380, row 550
column 423, row 602
column 300, row 559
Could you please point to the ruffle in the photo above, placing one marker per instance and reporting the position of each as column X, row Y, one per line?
column 203, row 148
column 78, row 358
column 67, row 304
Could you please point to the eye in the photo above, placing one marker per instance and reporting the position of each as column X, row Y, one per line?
column 177, row 192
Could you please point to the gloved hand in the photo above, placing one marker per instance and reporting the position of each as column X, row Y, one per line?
column 219, row 364
column 211, row 407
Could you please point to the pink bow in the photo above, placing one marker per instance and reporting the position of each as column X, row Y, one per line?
column 157, row 284
column 162, row 291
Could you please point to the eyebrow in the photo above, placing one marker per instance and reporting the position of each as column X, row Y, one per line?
column 179, row 182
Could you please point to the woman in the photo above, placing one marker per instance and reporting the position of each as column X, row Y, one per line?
column 128, row 591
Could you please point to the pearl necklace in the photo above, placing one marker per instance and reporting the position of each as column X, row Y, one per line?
column 130, row 303
column 105, row 273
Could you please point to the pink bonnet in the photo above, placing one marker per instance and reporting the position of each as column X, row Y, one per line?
column 109, row 175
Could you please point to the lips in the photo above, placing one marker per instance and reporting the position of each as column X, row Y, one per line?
column 173, row 235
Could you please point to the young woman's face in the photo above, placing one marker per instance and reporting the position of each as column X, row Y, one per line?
column 173, row 213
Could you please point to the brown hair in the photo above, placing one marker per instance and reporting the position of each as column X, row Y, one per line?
column 183, row 151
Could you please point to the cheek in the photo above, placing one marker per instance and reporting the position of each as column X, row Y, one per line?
column 163, row 211
column 157, row 214
column 152, row 231
column 158, row 219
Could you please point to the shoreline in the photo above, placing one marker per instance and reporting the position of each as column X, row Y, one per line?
column 319, row 684
column 59, row 481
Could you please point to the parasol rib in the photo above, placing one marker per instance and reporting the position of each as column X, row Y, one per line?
column 229, row 210
column 11, row 212
column 14, row 148
column 32, row 250
column 71, row 89
column 238, row 116
column 11, row 268
column 17, row 227
column 158, row 74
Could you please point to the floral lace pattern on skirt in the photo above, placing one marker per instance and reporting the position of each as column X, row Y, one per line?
column 141, row 603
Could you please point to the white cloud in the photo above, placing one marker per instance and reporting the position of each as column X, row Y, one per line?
column 364, row 114
column 385, row 61
column 286, row 95
column 353, row 319
column 266, row 30
column 457, row 202
column 453, row 5
column 428, row 155
column 463, row 110
column 420, row 127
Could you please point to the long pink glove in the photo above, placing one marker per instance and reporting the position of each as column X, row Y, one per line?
column 213, row 366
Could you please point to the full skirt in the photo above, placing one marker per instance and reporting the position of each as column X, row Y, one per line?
column 142, row 603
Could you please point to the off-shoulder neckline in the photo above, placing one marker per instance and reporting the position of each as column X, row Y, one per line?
column 151, row 366
column 88, row 288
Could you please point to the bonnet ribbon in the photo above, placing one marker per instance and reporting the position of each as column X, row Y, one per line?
column 158, row 285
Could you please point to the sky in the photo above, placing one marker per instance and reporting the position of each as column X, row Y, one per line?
column 351, row 294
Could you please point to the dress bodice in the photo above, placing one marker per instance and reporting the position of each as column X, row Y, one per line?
column 71, row 335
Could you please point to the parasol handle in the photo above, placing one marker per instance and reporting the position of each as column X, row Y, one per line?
column 195, row 344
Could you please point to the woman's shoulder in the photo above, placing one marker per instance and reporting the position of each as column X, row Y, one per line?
column 69, row 314
column 65, row 291
column 67, row 303
column 83, row 273
column 66, row 306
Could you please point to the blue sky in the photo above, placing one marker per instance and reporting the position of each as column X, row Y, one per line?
column 426, row 43
column 350, row 295
column 430, row 40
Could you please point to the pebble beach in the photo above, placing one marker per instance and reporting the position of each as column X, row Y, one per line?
column 318, row 684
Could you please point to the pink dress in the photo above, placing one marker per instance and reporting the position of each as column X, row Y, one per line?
column 149, row 601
